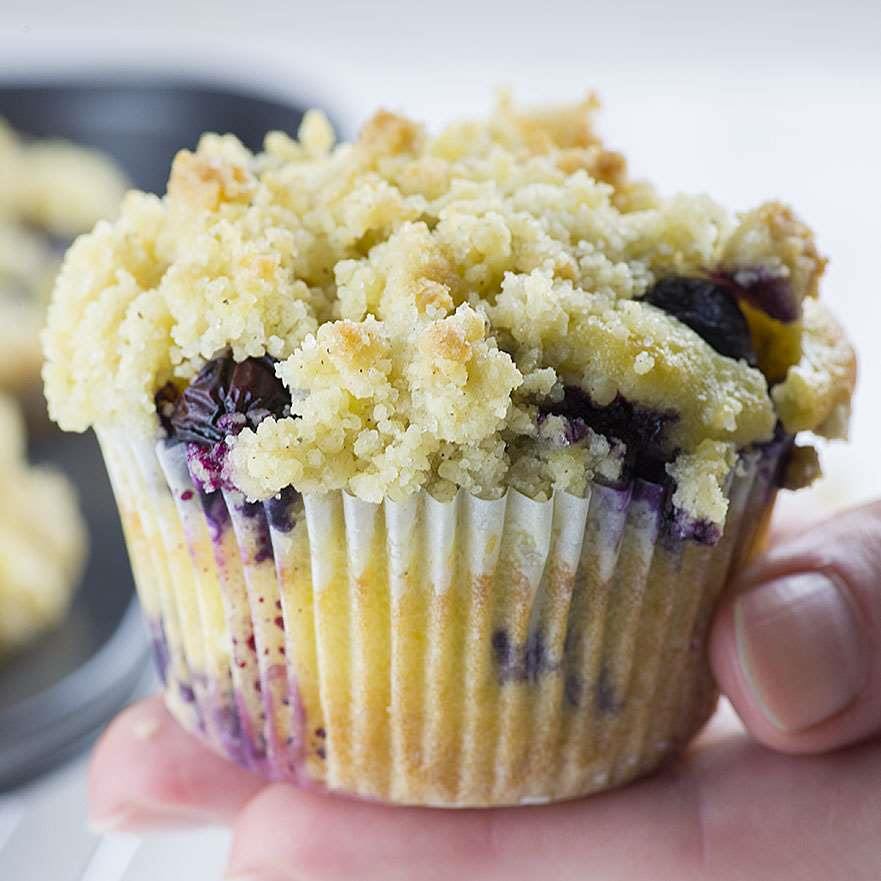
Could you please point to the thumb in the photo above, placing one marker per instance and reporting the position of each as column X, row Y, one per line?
column 797, row 649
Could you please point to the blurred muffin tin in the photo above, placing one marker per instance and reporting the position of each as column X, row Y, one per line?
column 55, row 696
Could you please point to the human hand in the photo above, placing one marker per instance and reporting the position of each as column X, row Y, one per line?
column 798, row 653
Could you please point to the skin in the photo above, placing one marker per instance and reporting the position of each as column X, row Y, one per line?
column 750, row 800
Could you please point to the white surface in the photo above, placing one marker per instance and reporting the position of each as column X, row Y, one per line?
column 746, row 101
column 44, row 836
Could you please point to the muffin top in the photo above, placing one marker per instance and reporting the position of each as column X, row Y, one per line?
column 42, row 539
column 496, row 306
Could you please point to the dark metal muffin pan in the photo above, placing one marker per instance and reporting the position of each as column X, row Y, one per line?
column 142, row 123
column 55, row 696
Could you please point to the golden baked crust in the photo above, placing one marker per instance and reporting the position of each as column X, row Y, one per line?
column 423, row 294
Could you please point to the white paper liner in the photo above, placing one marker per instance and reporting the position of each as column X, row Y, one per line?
column 461, row 654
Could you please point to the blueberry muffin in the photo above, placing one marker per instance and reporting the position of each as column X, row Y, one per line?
column 42, row 540
column 49, row 191
column 434, row 453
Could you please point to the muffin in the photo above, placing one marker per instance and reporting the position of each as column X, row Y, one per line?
column 49, row 190
column 42, row 540
column 434, row 454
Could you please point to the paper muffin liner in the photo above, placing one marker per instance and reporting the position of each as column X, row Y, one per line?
column 461, row 653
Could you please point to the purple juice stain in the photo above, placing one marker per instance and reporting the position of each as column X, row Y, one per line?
column 206, row 465
column 256, row 514
column 775, row 455
column 653, row 495
column 252, row 742
column 161, row 652
column 605, row 699
column 251, row 510
column 573, row 689
column 683, row 527
column 641, row 429
column 709, row 310
column 216, row 513
column 281, row 509
column 767, row 292
column 526, row 662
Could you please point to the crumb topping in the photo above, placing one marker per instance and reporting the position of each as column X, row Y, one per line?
column 427, row 297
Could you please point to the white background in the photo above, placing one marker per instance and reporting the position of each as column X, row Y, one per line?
column 745, row 101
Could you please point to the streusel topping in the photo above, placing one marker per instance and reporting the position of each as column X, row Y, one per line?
column 436, row 304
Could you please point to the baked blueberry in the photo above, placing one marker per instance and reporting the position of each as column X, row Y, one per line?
column 709, row 310
column 639, row 428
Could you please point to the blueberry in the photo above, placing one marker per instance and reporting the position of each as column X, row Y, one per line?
column 641, row 429
column 709, row 310
column 224, row 398
column 769, row 293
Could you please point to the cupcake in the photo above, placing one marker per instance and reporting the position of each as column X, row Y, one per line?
column 434, row 454
column 42, row 541
column 49, row 190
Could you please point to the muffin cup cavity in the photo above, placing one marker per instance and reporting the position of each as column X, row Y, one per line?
column 464, row 653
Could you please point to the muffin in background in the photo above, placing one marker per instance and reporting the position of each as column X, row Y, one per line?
column 42, row 540
column 49, row 190
column 435, row 454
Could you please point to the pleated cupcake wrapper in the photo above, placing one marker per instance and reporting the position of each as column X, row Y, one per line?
column 455, row 653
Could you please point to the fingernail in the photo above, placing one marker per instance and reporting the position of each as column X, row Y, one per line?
column 801, row 649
